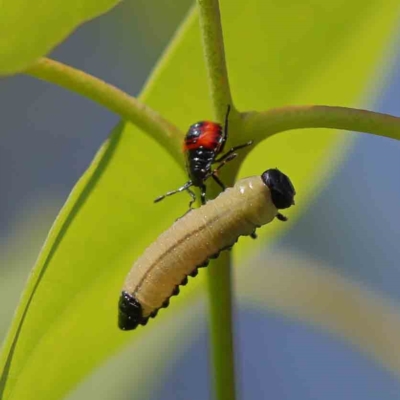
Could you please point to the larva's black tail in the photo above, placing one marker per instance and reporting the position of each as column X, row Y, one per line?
column 130, row 312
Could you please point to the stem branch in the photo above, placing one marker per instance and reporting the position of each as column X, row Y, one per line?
column 260, row 125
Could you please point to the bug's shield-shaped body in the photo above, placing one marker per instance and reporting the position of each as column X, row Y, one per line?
column 189, row 243
column 203, row 142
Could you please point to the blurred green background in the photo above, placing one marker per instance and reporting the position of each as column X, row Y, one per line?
column 351, row 229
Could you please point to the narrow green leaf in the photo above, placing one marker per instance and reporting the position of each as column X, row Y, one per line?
column 66, row 323
column 30, row 29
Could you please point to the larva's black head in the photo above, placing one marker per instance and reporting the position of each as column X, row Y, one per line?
column 282, row 189
column 130, row 312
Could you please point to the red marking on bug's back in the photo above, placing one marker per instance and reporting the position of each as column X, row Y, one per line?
column 210, row 137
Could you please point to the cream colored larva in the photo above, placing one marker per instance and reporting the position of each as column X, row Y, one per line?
column 198, row 236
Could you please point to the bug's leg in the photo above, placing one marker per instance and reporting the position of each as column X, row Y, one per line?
column 220, row 183
column 203, row 194
column 232, row 150
column 186, row 186
column 227, row 159
column 253, row 235
column 193, row 198
column 214, row 172
column 281, row 217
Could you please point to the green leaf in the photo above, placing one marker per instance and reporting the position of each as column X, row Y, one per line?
column 313, row 53
column 30, row 29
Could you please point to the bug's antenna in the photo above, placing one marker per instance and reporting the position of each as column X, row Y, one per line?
column 226, row 120
column 186, row 186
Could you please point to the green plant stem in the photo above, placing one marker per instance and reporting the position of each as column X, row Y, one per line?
column 114, row 99
column 260, row 125
column 219, row 275
column 219, row 285
column 214, row 55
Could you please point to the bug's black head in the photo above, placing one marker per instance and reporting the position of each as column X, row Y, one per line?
column 194, row 131
column 282, row 189
column 130, row 312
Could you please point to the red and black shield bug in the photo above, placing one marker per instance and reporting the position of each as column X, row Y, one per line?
column 204, row 142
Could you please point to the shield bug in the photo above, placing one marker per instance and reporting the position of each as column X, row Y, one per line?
column 203, row 144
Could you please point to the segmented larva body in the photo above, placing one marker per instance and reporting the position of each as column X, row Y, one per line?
column 198, row 236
